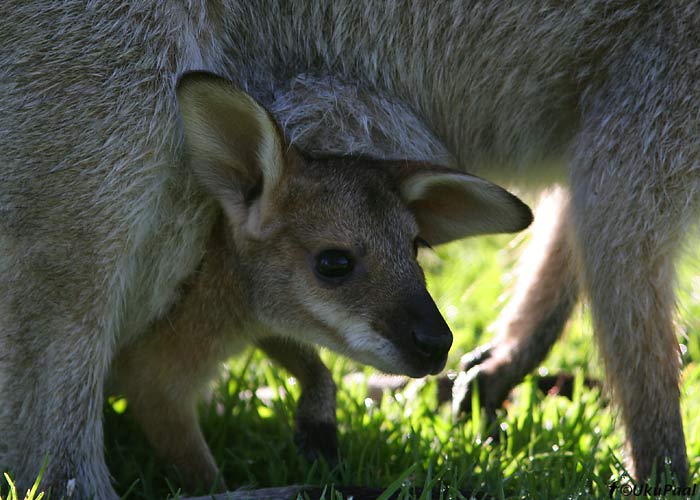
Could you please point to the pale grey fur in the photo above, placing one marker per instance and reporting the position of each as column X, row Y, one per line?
column 100, row 221
column 326, row 116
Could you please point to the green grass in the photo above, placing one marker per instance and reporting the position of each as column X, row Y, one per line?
column 550, row 447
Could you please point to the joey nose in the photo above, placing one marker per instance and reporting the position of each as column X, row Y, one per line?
column 420, row 334
column 434, row 344
column 430, row 334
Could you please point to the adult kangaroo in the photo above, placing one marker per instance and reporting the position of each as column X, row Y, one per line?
column 101, row 221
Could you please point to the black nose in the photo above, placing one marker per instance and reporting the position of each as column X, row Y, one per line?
column 432, row 337
column 433, row 344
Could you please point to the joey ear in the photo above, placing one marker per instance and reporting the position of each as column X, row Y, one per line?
column 449, row 204
column 234, row 147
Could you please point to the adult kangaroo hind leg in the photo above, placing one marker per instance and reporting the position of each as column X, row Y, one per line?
column 545, row 294
column 633, row 194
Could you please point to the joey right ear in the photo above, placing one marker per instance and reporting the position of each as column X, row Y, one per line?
column 233, row 145
column 449, row 204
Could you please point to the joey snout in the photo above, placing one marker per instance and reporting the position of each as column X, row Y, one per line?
column 421, row 334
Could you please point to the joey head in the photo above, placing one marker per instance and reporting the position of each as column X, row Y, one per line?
column 307, row 252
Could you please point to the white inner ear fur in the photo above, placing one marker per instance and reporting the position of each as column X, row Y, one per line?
column 269, row 151
column 417, row 187
column 270, row 159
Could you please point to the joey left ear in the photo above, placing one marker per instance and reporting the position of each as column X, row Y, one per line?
column 449, row 204
column 234, row 147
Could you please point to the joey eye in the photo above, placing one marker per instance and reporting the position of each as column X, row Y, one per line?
column 334, row 264
column 419, row 242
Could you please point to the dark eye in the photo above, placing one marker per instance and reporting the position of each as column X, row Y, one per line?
column 334, row 264
column 420, row 243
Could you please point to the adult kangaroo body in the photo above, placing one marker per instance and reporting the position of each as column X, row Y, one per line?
column 100, row 222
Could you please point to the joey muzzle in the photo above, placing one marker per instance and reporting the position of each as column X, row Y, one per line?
column 422, row 335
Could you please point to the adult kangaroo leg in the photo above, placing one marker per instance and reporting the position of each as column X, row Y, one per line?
column 315, row 414
column 633, row 193
column 544, row 296
column 54, row 355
